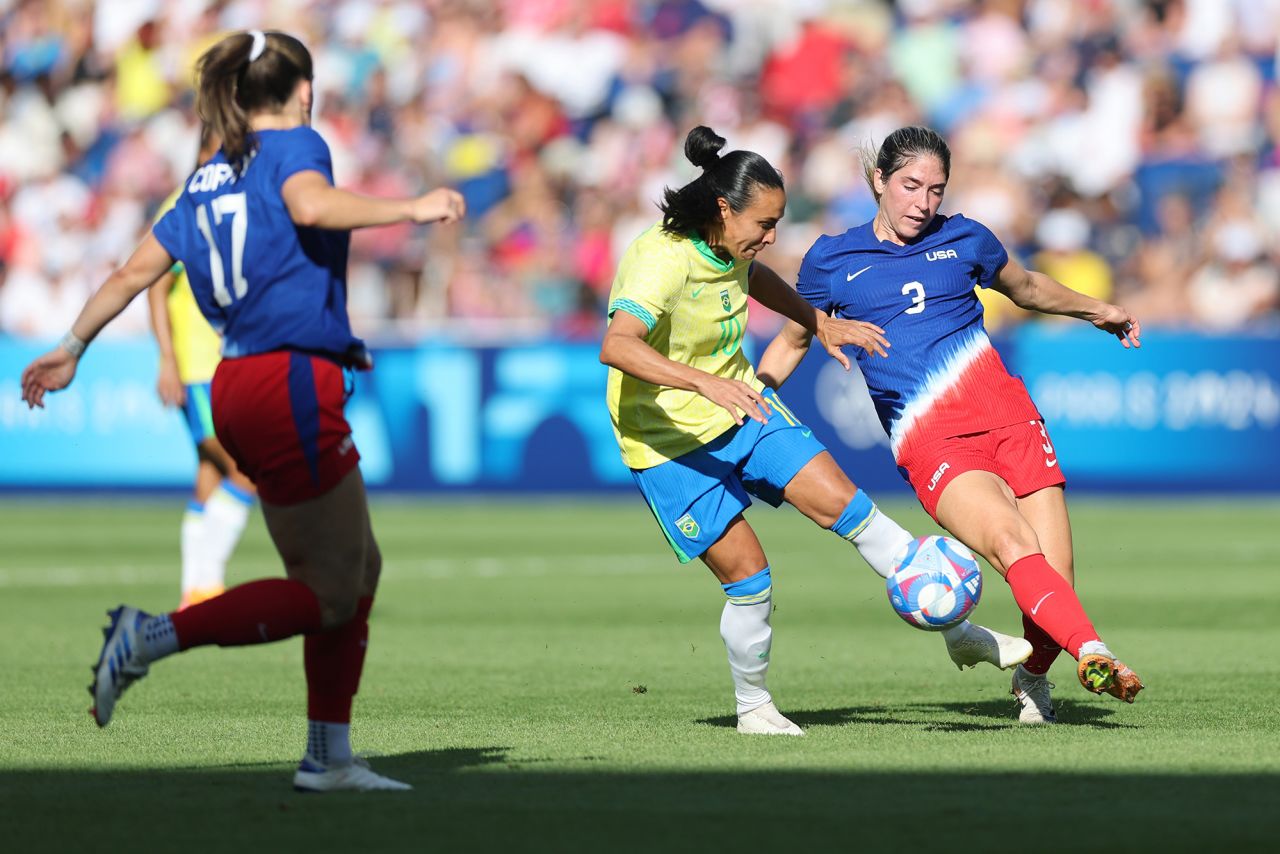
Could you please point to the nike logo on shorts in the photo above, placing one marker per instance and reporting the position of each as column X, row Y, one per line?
column 1051, row 463
column 1041, row 602
column 851, row 276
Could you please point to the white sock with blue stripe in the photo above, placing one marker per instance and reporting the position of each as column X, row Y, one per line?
column 877, row 537
column 226, row 514
column 744, row 625
column 193, row 547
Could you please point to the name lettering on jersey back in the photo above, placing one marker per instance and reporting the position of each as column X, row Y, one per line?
column 210, row 177
column 940, row 255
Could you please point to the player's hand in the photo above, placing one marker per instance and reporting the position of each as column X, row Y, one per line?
column 51, row 372
column 440, row 205
column 735, row 397
column 169, row 385
column 834, row 333
column 1115, row 320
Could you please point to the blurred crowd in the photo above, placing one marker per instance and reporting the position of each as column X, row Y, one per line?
column 1130, row 148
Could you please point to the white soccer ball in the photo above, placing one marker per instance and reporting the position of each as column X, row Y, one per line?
column 935, row 583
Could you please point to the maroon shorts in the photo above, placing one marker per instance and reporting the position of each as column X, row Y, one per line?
column 1020, row 454
column 280, row 417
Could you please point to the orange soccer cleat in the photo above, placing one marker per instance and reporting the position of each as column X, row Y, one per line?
column 1103, row 674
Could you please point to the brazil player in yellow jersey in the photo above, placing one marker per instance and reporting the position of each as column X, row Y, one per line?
column 189, row 352
column 702, row 433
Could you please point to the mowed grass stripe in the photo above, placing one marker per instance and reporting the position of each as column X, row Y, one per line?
column 549, row 678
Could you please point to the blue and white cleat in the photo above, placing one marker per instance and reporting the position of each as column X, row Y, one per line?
column 120, row 662
column 355, row 776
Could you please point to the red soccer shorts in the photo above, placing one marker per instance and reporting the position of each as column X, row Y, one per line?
column 279, row 415
column 1021, row 454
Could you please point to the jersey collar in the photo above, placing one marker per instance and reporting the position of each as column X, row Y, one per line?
column 707, row 252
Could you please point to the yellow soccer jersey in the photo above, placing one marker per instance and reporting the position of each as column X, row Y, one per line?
column 197, row 348
column 695, row 306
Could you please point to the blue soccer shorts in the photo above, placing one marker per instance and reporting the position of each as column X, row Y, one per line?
column 695, row 496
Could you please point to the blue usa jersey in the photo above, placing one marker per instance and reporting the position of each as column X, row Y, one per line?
column 263, row 282
column 942, row 377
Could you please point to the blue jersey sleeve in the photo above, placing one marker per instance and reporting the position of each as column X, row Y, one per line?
column 306, row 152
column 168, row 230
column 814, row 280
column 991, row 254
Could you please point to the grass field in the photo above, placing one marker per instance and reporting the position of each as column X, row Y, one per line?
column 549, row 679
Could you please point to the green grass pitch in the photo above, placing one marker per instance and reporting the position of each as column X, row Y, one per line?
column 549, row 678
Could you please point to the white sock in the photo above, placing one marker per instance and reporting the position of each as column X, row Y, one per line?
column 880, row 541
column 955, row 633
column 226, row 513
column 747, row 638
column 329, row 744
column 1094, row 647
column 158, row 638
column 193, row 549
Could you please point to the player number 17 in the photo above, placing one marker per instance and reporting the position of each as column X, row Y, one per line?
column 232, row 205
column 915, row 290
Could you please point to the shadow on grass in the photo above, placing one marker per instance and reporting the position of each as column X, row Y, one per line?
column 982, row 716
column 481, row 799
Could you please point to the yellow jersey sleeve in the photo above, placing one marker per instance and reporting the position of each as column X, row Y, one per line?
column 694, row 305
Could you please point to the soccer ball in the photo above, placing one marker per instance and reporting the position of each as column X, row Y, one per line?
column 935, row 583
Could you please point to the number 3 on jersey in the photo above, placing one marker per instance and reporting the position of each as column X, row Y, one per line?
column 915, row 290
column 233, row 205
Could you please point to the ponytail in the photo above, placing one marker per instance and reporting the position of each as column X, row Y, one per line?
column 694, row 208
column 245, row 73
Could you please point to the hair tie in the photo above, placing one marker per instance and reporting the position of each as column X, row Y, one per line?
column 259, row 44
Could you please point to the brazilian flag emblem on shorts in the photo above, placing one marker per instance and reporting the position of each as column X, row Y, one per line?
column 724, row 300
column 688, row 527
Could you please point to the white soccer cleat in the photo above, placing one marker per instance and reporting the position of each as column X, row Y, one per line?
column 766, row 720
column 979, row 644
column 355, row 776
column 1032, row 693
column 119, row 664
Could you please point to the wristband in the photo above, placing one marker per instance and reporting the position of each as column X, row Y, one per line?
column 73, row 344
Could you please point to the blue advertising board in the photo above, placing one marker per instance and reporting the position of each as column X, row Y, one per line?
column 1184, row 412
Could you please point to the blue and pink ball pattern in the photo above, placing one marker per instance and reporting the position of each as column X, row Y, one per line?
column 935, row 583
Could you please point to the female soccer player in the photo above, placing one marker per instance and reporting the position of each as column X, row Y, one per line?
column 701, row 433
column 189, row 353
column 966, row 434
column 263, row 235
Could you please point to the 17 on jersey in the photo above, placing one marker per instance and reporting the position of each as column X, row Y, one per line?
column 261, row 280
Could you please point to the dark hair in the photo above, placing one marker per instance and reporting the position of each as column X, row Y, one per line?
column 231, row 85
column 734, row 177
column 900, row 148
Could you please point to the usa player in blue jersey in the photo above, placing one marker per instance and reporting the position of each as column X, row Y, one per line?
column 965, row 433
column 263, row 235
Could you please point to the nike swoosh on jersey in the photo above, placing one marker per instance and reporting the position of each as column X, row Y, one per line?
column 1041, row 602
column 694, row 293
column 851, row 276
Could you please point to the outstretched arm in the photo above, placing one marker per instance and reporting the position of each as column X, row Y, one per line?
column 1038, row 292
column 55, row 369
column 786, row 350
column 313, row 201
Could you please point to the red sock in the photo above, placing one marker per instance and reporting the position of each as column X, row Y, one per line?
column 262, row 611
column 1050, row 602
column 1044, row 649
column 334, row 661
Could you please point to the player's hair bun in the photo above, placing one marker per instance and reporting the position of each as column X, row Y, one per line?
column 702, row 147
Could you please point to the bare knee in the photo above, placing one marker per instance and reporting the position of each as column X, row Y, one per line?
column 1010, row 543
column 372, row 568
column 337, row 607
